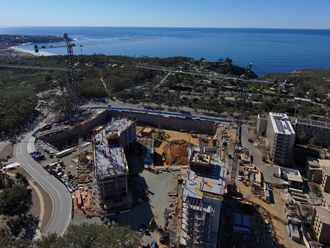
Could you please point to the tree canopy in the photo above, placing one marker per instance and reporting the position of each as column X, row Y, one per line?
column 16, row 200
column 84, row 236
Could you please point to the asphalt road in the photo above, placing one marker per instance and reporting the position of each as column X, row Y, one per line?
column 61, row 199
column 266, row 170
column 3, row 144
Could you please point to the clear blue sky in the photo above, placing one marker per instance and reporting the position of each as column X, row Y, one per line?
column 168, row 13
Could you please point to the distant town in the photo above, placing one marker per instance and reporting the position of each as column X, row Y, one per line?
column 171, row 152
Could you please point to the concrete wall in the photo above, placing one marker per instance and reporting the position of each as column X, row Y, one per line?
column 270, row 136
column 262, row 124
column 314, row 175
column 325, row 182
column 64, row 136
column 322, row 134
column 168, row 122
column 324, row 234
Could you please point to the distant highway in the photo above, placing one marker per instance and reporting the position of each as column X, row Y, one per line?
column 61, row 199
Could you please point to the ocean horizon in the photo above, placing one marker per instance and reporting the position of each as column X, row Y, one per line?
column 270, row 50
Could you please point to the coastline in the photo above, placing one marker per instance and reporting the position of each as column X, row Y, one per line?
column 27, row 52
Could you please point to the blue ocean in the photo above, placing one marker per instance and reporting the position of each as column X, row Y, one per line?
column 270, row 50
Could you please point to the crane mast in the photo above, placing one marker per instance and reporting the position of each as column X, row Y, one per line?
column 238, row 140
column 72, row 91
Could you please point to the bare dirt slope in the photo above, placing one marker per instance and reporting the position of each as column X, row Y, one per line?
column 176, row 152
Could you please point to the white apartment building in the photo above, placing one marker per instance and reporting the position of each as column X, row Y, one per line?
column 280, row 136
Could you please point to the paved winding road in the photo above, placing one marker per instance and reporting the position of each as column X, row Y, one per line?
column 61, row 199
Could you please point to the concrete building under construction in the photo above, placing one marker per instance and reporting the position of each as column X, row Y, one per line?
column 202, row 191
column 110, row 165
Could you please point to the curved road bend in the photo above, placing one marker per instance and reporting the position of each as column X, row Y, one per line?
column 61, row 199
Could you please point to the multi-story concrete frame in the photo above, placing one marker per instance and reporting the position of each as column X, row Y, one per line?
column 280, row 136
column 201, row 203
column 325, row 180
column 321, row 224
column 319, row 130
column 313, row 170
column 110, row 165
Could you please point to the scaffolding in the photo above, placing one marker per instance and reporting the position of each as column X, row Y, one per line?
column 196, row 217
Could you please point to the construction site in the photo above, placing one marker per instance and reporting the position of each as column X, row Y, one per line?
column 175, row 178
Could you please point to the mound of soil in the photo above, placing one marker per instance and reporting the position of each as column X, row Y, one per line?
column 176, row 152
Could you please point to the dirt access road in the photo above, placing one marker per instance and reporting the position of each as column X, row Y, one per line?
column 276, row 213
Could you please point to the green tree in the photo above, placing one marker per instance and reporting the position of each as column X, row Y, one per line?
column 229, row 61
column 16, row 200
column 303, row 138
column 94, row 235
column 48, row 241
column 312, row 141
column 18, row 175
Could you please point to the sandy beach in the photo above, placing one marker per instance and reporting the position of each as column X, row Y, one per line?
column 20, row 50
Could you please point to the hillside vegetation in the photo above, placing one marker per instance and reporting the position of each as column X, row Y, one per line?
column 100, row 76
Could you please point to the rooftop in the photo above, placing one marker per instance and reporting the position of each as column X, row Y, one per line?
column 325, row 165
column 109, row 156
column 323, row 214
column 314, row 162
column 295, row 178
column 281, row 123
column 312, row 123
column 212, row 180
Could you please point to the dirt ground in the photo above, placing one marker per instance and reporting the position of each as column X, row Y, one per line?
column 36, row 206
column 276, row 213
column 174, row 146
column 8, row 150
